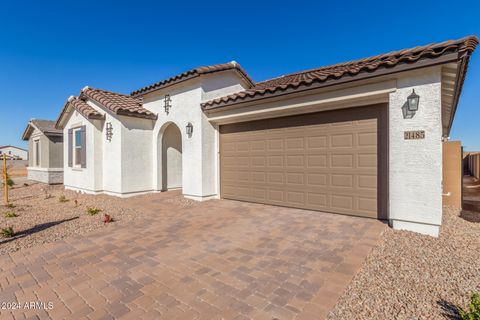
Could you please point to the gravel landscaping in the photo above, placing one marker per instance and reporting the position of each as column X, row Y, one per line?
column 411, row 276
column 42, row 217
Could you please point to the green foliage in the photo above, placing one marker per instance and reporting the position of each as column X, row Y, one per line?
column 10, row 182
column 10, row 214
column 474, row 309
column 8, row 232
column 10, row 205
column 62, row 198
column 93, row 211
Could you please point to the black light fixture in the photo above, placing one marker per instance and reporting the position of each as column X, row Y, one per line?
column 109, row 131
column 410, row 107
column 167, row 105
column 413, row 100
column 189, row 129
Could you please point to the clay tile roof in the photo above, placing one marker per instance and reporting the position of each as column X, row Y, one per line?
column 118, row 103
column 81, row 106
column 298, row 80
column 195, row 73
column 85, row 109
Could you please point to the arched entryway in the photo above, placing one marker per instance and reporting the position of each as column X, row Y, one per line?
column 171, row 166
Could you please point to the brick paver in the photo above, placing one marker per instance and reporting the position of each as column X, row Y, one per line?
column 215, row 260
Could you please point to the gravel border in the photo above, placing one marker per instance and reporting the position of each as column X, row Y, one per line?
column 412, row 276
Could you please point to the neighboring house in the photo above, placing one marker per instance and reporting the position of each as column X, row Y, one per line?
column 359, row 138
column 45, row 143
column 13, row 152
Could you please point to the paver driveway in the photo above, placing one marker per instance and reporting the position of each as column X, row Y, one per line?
column 212, row 260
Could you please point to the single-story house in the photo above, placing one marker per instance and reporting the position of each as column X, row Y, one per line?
column 45, row 144
column 360, row 138
column 13, row 152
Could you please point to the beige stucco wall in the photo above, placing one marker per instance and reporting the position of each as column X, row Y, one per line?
column 55, row 152
column 44, row 151
column 452, row 173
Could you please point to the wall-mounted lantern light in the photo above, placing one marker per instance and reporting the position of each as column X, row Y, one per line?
column 411, row 106
column 413, row 100
column 168, row 104
column 109, row 131
column 189, row 130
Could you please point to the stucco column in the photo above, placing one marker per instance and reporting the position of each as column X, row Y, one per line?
column 415, row 166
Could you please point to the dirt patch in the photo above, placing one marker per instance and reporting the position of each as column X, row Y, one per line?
column 16, row 168
column 411, row 276
column 42, row 217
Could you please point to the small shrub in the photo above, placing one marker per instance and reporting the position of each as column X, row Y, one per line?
column 8, row 232
column 10, row 182
column 474, row 309
column 25, row 184
column 10, row 205
column 93, row 211
column 62, row 198
column 76, row 202
column 10, row 214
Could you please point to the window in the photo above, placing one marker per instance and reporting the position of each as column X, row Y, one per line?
column 77, row 147
column 9, row 152
column 36, row 155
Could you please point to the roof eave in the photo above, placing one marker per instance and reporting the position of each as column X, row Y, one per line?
column 127, row 113
column 460, row 79
column 212, row 107
column 28, row 132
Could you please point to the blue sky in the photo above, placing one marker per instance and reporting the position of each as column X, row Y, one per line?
column 49, row 50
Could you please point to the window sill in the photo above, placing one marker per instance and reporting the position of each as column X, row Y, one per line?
column 77, row 169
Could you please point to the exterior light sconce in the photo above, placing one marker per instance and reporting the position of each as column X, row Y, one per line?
column 411, row 106
column 189, row 129
column 168, row 103
column 109, row 131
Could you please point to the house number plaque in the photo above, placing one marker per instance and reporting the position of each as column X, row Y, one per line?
column 414, row 135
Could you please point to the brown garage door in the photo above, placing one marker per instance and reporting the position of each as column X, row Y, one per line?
column 328, row 161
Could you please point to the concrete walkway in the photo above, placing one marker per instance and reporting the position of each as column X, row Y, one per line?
column 214, row 260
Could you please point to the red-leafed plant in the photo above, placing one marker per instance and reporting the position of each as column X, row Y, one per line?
column 107, row 218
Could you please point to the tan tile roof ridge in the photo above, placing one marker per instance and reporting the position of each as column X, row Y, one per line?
column 195, row 72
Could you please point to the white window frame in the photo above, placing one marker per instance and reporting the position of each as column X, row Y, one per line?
column 75, row 147
column 36, row 153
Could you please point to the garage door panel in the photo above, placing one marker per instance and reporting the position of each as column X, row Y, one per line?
column 275, row 178
column 296, row 178
column 275, row 144
column 320, row 165
column 317, row 160
column 276, row 195
column 342, row 180
column 316, row 142
column 341, row 140
column 367, row 139
column 341, row 160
